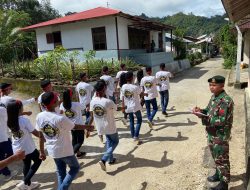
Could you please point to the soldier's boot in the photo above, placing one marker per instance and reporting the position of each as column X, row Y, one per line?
column 214, row 178
column 221, row 186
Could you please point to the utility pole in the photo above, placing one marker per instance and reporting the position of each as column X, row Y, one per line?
column 108, row 4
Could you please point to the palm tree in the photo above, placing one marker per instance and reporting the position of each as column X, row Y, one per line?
column 10, row 24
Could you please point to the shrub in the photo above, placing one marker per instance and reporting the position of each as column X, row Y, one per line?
column 65, row 66
column 198, row 55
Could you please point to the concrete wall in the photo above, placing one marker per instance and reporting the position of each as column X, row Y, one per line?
column 32, row 87
column 153, row 59
column 247, row 145
column 123, row 32
column 78, row 34
column 246, row 54
column 175, row 66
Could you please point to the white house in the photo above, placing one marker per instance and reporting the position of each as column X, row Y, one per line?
column 169, row 42
column 111, row 33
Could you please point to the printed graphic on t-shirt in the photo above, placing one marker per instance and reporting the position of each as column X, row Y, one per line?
column 98, row 110
column 163, row 78
column 50, row 132
column 107, row 82
column 70, row 114
column 82, row 92
column 128, row 94
column 2, row 105
column 148, row 84
column 18, row 134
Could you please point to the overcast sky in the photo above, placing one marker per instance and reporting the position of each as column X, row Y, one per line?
column 149, row 7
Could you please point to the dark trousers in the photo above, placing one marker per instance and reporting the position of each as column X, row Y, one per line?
column 28, row 170
column 87, row 113
column 164, row 100
column 150, row 114
column 77, row 139
column 135, row 131
column 5, row 152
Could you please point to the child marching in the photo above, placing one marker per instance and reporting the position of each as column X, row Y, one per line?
column 131, row 98
column 163, row 80
column 55, row 130
column 102, row 112
column 21, row 130
column 73, row 110
column 84, row 91
column 149, row 83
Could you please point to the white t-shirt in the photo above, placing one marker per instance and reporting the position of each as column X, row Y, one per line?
column 131, row 94
column 22, row 140
column 56, row 130
column 118, row 75
column 103, row 112
column 110, row 84
column 163, row 80
column 84, row 91
column 39, row 101
column 3, row 124
column 149, row 84
column 75, row 113
column 6, row 99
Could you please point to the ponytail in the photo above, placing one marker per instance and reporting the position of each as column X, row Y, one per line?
column 67, row 102
column 13, row 110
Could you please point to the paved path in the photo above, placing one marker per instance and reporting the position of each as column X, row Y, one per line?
column 171, row 156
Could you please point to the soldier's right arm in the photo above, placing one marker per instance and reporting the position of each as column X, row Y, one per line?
column 205, row 111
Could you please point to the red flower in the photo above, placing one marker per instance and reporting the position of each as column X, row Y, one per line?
column 221, row 112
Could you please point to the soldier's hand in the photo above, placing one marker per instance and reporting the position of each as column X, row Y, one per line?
column 196, row 109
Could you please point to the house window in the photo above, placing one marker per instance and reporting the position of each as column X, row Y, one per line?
column 57, row 38
column 138, row 39
column 99, row 38
column 54, row 38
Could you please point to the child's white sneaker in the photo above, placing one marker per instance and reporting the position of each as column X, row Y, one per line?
column 103, row 165
column 34, row 185
column 22, row 186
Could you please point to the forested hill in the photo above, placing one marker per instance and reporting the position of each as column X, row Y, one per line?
column 193, row 25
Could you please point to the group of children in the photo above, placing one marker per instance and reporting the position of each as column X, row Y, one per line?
column 60, row 126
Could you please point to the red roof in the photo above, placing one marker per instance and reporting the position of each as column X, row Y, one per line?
column 89, row 14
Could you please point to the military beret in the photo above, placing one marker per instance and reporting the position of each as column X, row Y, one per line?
column 45, row 83
column 217, row 79
column 4, row 85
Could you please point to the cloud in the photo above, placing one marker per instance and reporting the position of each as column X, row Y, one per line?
column 155, row 8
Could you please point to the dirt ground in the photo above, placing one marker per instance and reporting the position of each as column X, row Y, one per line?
column 172, row 156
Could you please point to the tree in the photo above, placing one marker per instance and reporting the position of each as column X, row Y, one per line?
column 179, row 43
column 227, row 41
column 37, row 12
column 69, row 13
column 10, row 24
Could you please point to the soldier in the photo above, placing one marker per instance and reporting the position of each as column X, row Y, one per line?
column 218, row 119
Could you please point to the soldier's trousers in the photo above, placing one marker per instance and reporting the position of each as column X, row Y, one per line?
column 220, row 152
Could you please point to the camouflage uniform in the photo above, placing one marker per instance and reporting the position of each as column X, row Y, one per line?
column 218, row 126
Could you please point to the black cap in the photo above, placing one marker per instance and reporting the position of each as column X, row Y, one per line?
column 217, row 79
column 45, row 83
column 4, row 85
